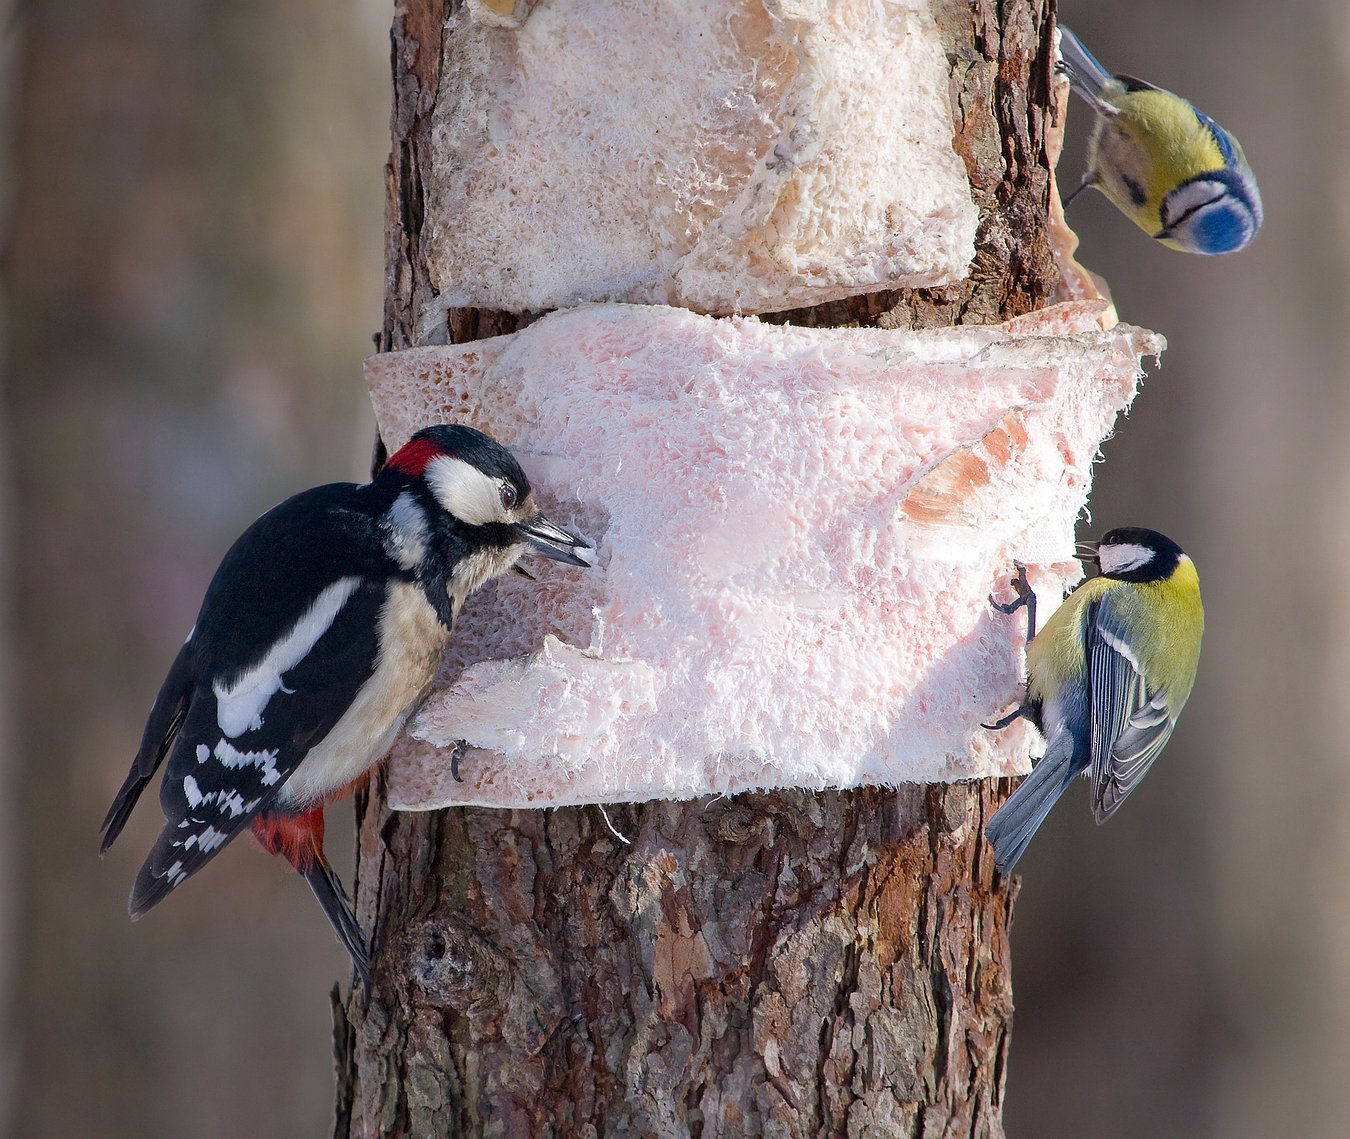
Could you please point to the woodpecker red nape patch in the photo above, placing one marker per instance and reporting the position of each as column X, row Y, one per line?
column 412, row 458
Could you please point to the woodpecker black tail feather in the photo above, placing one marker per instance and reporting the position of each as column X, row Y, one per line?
column 122, row 806
column 337, row 908
column 1014, row 823
column 151, row 887
column 161, row 729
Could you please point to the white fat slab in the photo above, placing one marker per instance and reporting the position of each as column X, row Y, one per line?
column 1123, row 558
column 239, row 706
column 465, row 491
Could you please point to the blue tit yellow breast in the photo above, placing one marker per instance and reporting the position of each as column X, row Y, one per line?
column 1155, row 143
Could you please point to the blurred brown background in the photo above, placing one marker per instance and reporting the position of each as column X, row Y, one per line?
column 192, row 271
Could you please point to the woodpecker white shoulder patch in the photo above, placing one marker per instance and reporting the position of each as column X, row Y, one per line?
column 465, row 491
column 406, row 531
column 239, row 706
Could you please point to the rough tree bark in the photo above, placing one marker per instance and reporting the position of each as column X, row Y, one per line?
column 784, row 964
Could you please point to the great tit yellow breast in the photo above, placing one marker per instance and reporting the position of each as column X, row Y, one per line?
column 1165, row 621
column 1166, row 627
column 1057, row 655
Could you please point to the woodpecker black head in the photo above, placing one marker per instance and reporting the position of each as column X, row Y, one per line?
column 1132, row 553
column 479, row 484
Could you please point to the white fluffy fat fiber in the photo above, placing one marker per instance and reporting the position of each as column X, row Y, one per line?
column 720, row 155
column 798, row 531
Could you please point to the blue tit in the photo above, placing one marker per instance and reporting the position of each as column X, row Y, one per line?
column 1169, row 168
column 1106, row 679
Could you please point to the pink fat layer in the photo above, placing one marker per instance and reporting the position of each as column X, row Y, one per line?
column 798, row 531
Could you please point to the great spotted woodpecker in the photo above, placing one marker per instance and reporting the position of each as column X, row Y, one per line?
column 318, row 637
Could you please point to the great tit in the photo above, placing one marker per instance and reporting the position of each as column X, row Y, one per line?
column 1168, row 167
column 1106, row 678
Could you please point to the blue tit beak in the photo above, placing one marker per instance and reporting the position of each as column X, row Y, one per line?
column 551, row 541
column 1086, row 551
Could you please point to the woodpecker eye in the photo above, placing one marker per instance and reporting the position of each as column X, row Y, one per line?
column 508, row 496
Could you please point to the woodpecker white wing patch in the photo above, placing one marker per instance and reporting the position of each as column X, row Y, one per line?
column 465, row 491
column 230, row 756
column 239, row 705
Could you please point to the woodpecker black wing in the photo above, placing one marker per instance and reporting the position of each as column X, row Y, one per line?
column 286, row 637
column 216, row 783
column 161, row 729
column 1130, row 723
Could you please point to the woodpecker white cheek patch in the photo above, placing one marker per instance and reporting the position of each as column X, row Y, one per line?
column 797, row 532
column 465, row 491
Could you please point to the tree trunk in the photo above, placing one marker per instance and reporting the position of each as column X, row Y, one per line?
column 790, row 964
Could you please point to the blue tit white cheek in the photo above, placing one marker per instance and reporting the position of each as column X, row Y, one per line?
column 239, row 706
column 465, row 491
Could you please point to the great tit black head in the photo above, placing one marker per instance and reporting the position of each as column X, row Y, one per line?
column 1133, row 553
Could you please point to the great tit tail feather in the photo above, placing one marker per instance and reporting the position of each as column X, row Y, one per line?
column 1014, row 823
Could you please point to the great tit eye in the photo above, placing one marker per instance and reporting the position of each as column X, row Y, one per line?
column 508, row 496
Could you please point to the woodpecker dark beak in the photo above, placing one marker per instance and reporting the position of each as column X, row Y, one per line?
column 554, row 542
column 1086, row 551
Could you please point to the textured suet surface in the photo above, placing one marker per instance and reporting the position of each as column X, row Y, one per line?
column 722, row 155
column 800, row 528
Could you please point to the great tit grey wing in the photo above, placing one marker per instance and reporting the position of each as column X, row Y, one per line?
column 1130, row 724
column 1144, row 736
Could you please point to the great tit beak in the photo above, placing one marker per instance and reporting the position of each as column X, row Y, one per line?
column 543, row 537
column 1086, row 551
